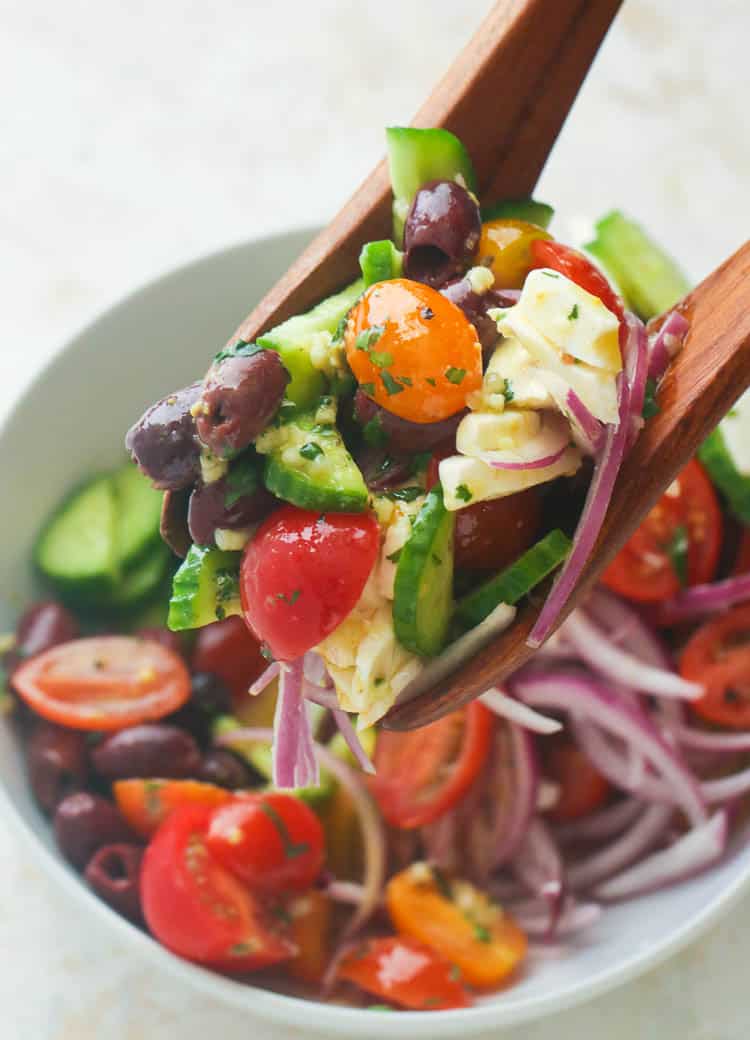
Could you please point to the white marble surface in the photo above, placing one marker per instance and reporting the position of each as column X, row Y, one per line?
column 136, row 136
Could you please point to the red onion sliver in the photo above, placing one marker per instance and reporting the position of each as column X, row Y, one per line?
column 539, row 867
column 615, row 763
column 726, row 788
column 293, row 760
column 705, row 740
column 586, row 425
column 598, row 826
column 538, row 452
column 346, row 892
column 348, row 732
column 699, row 600
column 515, row 711
column 622, row 623
column 265, row 679
column 637, row 331
column 641, row 837
column 532, row 915
column 519, row 795
column 666, row 343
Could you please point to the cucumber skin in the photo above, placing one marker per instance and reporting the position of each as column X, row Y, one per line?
column 380, row 262
column 296, row 487
column 138, row 515
column 539, row 213
column 421, row 612
column 736, row 488
column 194, row 601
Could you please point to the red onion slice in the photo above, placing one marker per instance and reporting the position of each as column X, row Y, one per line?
column 623, row 624
column 705, row 740
column 532, row 915
column 614, row 761
column 666, row 343
column 514, row 711
column 587, row 431
column 536, row 453
column 641, row 837
column 348, row 732
column 539, row 867
column 639, row 344
column 726, row 788
column 293, row 760
column 601, row 825
column 700, row 600
column 265, row 679
column 518, row 794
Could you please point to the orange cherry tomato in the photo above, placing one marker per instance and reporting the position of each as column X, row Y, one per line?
column 413, row 351
column 104, row 682
column 145, row 804
column 718, row 657
column 311, row 924
column 406, row 973
column 457, row 921
column 582, row 788
column 505, row 247
column 678, row 543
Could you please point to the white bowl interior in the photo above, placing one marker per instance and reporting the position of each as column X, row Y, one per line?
column 70, row 423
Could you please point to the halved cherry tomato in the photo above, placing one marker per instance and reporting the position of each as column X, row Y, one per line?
column 579, row 269
column 742, row 561
column 229, row 649
column 423, row 773
column 200, row 911
column 505, row 247
column 457, row 921
column 406, row 973
column 582, row 788
column 104, row 682
column 146, row 804
column 311, row 923
column 413, row 351
column 718, row 657
column 271, row 841
column 302, row 573
column 681, row 533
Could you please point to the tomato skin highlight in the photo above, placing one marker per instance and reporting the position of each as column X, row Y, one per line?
column 643, row 570
column 579, row 269
column 406, row 973
column 103, row 682
column 582, row 788
column 230, row 650
column 418, row 336
column 717, row 656
column 302, row 573
column 412, row 784
column 200, row 911
column 272, row 842
column 146, row 804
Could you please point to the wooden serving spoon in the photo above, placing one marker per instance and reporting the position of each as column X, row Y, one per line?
column 699, row 388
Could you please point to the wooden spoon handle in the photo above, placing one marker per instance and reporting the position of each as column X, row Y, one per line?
column 701, row 385
column 506, row 96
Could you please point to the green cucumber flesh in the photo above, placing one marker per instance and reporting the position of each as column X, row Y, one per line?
column 735, row 486
column 138, row 515
column 530, row 210
column 205, row 588
column 423, row 588
column 380, row 262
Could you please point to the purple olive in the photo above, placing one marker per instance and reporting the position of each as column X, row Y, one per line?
column 41, row 627
column 441, row 233
column 163, row 441
column 240, row 396
column 225, row 769
column 216, row 505
column 173, row 525
column 57, row 762
column 401, row 436
column 151, row 749
column 84, row 823
column 114, row 873
column 209, row 697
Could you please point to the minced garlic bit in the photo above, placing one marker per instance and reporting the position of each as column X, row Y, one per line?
column 421, row 873
column 232, row 541
column 212, row 467
column 327, row 356
column 481, row 280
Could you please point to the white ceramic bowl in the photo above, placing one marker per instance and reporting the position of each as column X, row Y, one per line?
column 71, row 422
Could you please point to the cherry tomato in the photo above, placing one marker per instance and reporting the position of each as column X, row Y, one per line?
column 230, row 650
column 505, row 247
column 302, row 573
column 582, row 788
column 423, row 773
column 104, row 682
column 742, row 562
column 406, row 973
column 146, row 804
column 491, row 535
column 678, row 543
column 200, row 911
column 272, row 841
column 311, row 924
column 457, row 921
column 718, row 657
column 579, row 269
column 413, row 351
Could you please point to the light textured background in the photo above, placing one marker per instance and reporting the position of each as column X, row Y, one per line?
column 136, row 136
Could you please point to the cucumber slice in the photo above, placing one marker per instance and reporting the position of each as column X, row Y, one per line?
column 513, row 583
column 76, row 551
column 138, row 515
column 726, row 455
column 530, row 210
column 294, row 339
column 205, row 588
column 423, row 589
column 380, row 261
column 308, row 463
column 649, row 279
column 416, row 156
column 142, row 580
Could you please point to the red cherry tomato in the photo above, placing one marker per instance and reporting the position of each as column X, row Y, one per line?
column 582, row 788
column 718, row 657
column 579, row 269
column 405, row 972
column 230, row 650
column 273, row 842
column 303, row 573
column 423, row 773
column 678, row 543
column 742, row 562
column 103, row 683
column 200, row 911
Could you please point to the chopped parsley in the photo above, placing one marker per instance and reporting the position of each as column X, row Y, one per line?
column 463, row 493
column 367, row 388
column 242, row 480
column 677, row 551
column 650, row 406
column 338, row 334
column 573, row 316
column 267, row 653
column 442, row 883
column 437, row 559
column 406, row 494
column 311, row 450
column 481, row 934
column 227, row 585
column 381, row 360
column 455, row 375
column 292, row 849
column 404, row 380
column 369, row 337
column 430, row 380
column 394, row 556
column 550, row 274
column 508, row 393
column 239, row 349
column 292, row 599
column 390, row 384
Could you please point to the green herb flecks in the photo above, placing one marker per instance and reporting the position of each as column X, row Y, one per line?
column 311, row 450
column 369, row 337
column 292, row 849
column 367, row 388
column 381, row 360
column 573, row 316
column 650, row 405
column 405, row 494
column 455, row 375
column 463, row 493
column 374, row 434
column 291, row 599
column 677, row 551
column 481, row 934
column 239, row 349
column 430, row 381
column 391, row 386
column 508, row 393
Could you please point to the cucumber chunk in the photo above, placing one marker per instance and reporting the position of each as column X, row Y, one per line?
column 295, row 338
column 649, row 279
column 308, row 463
column 726, row 455
column 138, row 515
column 142, row 579
column 380, row 261
column 205, row 588
column 423, row 588
column 530, row 210
column 513, row 583
column 416, row 156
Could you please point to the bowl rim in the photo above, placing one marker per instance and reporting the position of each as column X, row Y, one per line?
column 279, row 1008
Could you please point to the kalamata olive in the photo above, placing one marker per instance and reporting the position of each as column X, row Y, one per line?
column 114, row 873
column 163, row 441
column 85, row 822
column 42, row 626
column 400, row 436
column 210, row 697
column 475, row 307
column 380, row 470
column 173, row 525
column 151, row 749
column 216, row 505
column 240, row 396
column 441, row 233
column 156, row 634
column 225, row 769
column 57, row 762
